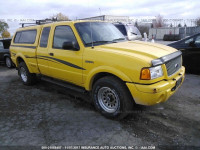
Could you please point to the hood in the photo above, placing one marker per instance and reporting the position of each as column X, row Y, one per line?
column 142, row 50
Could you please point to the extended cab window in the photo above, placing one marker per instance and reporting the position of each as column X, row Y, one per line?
column 27, row 37
column 63, row 34
column 17, row 36
column 44, row 37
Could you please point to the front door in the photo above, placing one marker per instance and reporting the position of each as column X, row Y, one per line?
column 66, row 61
column 191, row 55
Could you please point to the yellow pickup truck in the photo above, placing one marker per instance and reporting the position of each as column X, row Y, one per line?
column 95, row 57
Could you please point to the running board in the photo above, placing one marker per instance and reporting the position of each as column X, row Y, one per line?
column 64, row 84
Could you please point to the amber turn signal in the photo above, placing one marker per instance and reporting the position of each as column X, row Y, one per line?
column 145, row 74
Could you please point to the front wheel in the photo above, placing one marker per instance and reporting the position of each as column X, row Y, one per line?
column 112, row 98
column 26, row 77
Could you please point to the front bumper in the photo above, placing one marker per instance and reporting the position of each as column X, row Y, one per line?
column 157, row 92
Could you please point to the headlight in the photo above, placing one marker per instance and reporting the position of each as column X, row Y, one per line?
column 151, row 73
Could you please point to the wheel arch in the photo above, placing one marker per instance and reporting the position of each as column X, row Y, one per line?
column 22, row 59
column 19, row 60
column 102, row 72
column 6, row 55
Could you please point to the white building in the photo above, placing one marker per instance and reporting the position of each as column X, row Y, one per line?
column 110, row 18
column 158, row 33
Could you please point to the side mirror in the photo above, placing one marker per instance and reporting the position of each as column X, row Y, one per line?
column 192, row 44
column 70, row 46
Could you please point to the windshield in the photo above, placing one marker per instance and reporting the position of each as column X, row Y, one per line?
column 133, row 29
column 98, row 33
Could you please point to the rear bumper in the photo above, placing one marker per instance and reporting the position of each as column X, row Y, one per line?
column 155, row 93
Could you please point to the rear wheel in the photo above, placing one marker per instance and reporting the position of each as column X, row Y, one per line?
column 8, row 62
column 26, row 77
column 112, row 98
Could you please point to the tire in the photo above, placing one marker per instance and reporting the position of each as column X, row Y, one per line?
column 112, row 98
column 26, row 77
column 8, row 62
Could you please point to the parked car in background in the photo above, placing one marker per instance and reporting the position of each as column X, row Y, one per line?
column 130, row 31
column 4, row 52
column 190, row 48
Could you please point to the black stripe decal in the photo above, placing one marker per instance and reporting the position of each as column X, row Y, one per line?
column 56, row 61
column 48, row 60
column 13, row 54
column 64, row 62
column 33, row 47
column 30, row 57
column 41, row 58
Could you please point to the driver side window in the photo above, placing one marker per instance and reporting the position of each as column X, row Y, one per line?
column 189, row 40
column 63, row 34
column 1, row 45
column 197, row 41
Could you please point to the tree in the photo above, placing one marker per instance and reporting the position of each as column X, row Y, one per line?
column 60, row 17
column 198, row 22
column 5, row 34
column 136, row 24
column 158, row 22
column 3, row 26
column 179, row 25
column 143, row 29
column 151, row 25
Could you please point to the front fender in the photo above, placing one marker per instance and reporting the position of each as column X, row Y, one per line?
column 104, row 69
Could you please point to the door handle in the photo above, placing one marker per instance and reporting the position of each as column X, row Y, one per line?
column 51, row 54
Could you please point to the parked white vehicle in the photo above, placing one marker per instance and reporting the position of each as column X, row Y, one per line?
column 130, row 31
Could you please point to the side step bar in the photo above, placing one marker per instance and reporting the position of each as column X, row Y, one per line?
column 64, row 84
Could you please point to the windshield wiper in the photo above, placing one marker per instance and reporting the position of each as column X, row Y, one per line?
column 134, row 33
column 118, row 39
column 96, row 42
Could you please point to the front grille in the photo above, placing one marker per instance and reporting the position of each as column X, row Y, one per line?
column 173, row 65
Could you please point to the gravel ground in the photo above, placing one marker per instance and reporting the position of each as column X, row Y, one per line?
column 47, row 115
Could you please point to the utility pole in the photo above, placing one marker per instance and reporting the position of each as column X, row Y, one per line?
column 174, row 27
column 184, row 29
column 100, row 11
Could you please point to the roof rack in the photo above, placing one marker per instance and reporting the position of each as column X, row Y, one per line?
column 40, row 22
column 126, row 23
column 118, row 22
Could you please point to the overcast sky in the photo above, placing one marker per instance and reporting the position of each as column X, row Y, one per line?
column 41, row 9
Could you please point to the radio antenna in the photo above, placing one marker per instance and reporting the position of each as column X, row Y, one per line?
column 91, row 34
